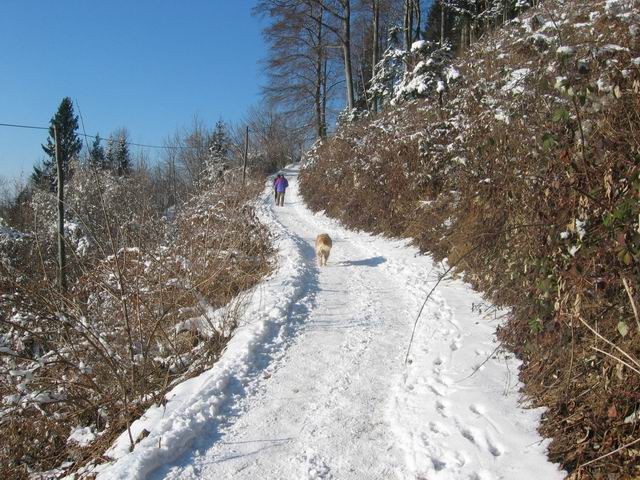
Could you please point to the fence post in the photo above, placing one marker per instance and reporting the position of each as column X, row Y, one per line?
column 62, row 280
column 246, row 152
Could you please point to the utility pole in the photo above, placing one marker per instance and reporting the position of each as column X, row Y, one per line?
column 246, row 153
column 62, row 281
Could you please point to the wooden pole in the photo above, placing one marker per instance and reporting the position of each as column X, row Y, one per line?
column 246, row 153
column 62, row 281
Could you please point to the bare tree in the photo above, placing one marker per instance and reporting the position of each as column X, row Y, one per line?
column 190, row 149
column 300, row 64
column 275, row 139
column 340, row 10
column 375, row 27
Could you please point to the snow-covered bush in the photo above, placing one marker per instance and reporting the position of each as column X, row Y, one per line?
column 420, row 72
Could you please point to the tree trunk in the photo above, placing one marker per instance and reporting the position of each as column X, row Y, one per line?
column 464, row 34
column 408, row 26
column 346, row 50
column 418, row 14
column 375, row 7
column 324, row 98
column 318, row 94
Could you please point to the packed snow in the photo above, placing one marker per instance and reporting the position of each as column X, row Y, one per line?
column 318, row 381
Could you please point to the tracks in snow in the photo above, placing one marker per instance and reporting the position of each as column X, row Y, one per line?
column 316, row 387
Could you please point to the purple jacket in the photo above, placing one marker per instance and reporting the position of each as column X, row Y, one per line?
column 281, row 184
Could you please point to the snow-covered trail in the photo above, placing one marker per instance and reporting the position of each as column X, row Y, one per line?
column 318, row 389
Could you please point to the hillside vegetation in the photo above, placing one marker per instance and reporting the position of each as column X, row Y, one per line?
column 151, row 301
column 521, row 168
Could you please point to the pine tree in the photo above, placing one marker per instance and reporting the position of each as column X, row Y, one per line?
column 97, row 158
column 39, row 178
column 122, row 157
column 219, row 144
column 109, row 160
column 217, row 159
column 69, row 144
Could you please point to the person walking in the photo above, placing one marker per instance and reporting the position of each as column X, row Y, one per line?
column 275, row 191
column 281, row 185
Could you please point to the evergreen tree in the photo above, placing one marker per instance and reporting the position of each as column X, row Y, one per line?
column 217, row 159
column 39, row 178
column 109, row 159
column 121, row 156
column 219, row 143
column 69, row 145
column 97, row 158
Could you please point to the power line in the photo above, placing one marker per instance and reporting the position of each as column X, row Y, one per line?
column 22, row 126
column 144, row 145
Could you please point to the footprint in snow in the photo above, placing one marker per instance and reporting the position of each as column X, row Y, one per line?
column 481, row 475
column 495, row 448
column 316, row 468
column 439, row 428
column 481, row 411
column 438, row 390
column 477, row 409
column 455, row 345
column 442, row 406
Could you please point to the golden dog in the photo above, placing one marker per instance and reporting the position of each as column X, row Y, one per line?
column 323, row 248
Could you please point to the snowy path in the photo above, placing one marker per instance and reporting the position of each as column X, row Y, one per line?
column 314, row 386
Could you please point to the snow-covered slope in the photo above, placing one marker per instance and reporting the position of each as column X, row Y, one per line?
column 314, row 383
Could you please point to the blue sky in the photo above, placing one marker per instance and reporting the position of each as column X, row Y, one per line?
column 147, row 65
